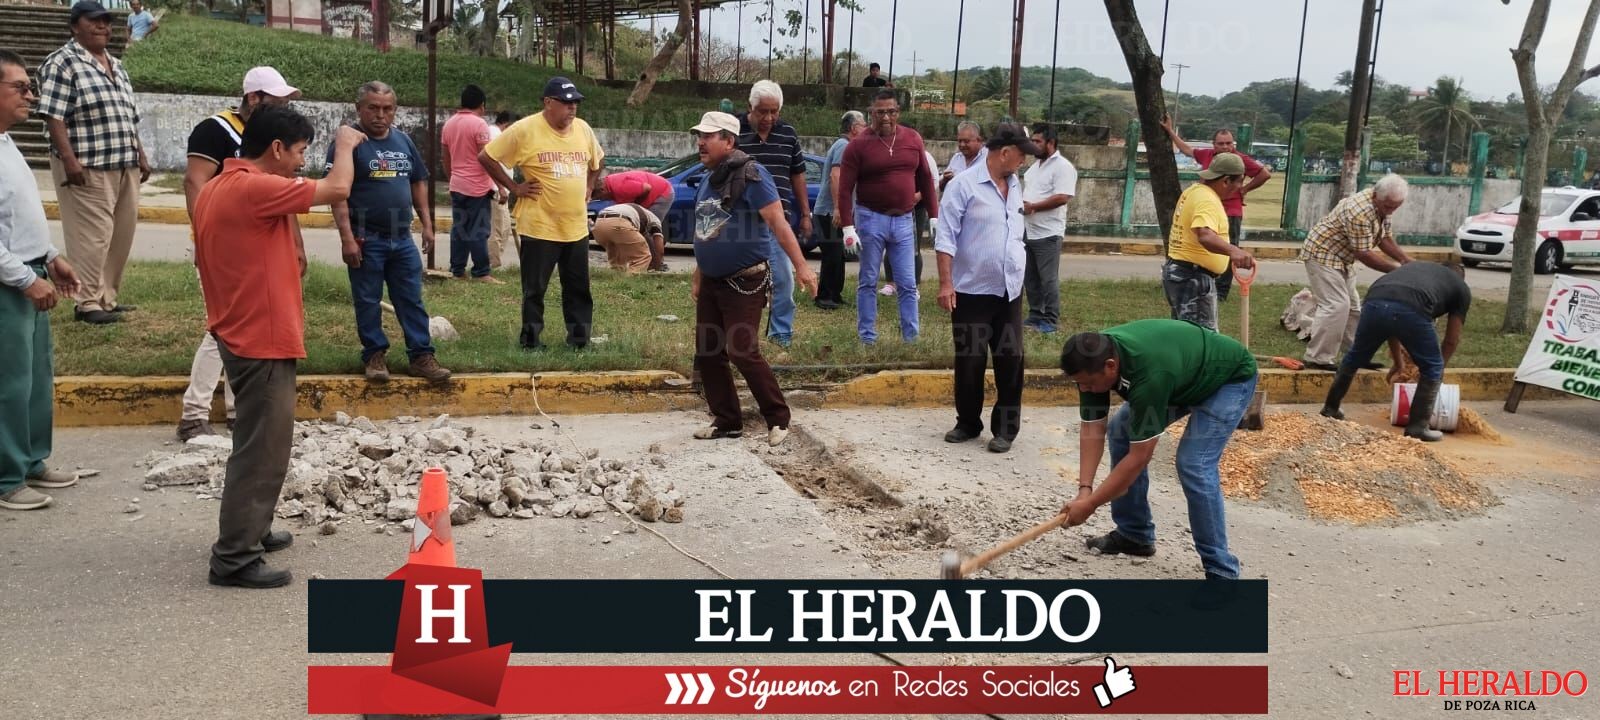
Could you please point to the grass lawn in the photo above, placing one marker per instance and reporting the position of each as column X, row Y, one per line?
column 1264, row 205
column 204, row 56
column 160, row 337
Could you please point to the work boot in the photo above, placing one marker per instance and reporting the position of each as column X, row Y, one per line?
column 377, row 368
column 1422, row 412
column 256, row 576
column 276, row 540
column 189, row 429
column 1336, row 393
column 428, row 368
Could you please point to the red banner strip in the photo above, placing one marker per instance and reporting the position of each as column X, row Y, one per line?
column 803, row 689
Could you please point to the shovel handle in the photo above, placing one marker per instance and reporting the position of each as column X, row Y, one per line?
column 1244, row 276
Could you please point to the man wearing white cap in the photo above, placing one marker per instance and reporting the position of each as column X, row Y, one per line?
column 211, row 142
column 738, row 218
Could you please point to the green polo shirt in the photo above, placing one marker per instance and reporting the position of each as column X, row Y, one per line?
column 1167, row 365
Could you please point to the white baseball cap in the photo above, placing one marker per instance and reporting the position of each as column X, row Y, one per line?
column 270, row 81
column 714, row 121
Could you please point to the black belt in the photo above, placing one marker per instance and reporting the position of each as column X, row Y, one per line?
column 37, row 261
column 1194, row 267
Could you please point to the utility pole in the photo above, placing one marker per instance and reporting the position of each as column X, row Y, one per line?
column 914, row 60
column 1178, row 93
column 1360, row 87
column 1016, row 53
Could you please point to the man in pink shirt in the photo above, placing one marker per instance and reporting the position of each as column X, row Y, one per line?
column 471, row 189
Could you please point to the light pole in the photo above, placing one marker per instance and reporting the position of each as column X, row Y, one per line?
column 1177, row 99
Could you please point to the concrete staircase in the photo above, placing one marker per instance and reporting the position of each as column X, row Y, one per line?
column 34, row 31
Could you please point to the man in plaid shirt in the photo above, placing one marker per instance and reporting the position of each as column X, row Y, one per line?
column 1357, row 229
column 96, row 159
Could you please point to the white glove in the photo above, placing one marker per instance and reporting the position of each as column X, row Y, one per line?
column 851, row 239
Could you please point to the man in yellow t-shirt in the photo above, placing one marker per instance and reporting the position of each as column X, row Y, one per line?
column 560, row 161
column 1197, row 248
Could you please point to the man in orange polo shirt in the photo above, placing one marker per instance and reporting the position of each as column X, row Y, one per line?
column 249, row 264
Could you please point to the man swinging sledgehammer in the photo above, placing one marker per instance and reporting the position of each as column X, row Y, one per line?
column 1164, row 370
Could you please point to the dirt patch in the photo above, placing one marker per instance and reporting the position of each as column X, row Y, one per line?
column 1470, row 422
column 1345, row 471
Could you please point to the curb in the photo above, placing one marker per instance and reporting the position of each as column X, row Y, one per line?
column 97, row 400
column 179, row 216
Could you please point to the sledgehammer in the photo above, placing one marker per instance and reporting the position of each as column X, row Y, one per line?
column 951, row 567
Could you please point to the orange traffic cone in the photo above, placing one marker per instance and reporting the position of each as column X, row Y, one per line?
column 431, row 543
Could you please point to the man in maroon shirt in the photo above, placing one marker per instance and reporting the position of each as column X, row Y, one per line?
column 1222, row 142
column 879, row 178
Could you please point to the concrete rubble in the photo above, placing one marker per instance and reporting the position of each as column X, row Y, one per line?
column 355, row 469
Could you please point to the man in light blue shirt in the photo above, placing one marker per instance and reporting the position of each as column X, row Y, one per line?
column 33, row 278
column 830, row 286
column 981, row 264
column 141, row 24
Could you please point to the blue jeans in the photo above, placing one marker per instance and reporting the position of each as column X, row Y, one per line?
column 397, row 263
column 471, row 219
column 895, row 235
column 1384, row 319
column 780, row 318
column 1211, row 424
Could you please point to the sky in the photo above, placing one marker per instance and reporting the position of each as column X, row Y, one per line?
column 1227, row 44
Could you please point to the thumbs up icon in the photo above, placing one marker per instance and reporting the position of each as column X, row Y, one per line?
column 1118, row 683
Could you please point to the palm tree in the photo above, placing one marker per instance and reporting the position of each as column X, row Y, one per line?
column 1446, row 101
column 990, row 83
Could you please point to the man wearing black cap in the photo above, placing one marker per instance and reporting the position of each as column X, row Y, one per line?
column 560, row 159
column 96, row 159
column 981, row 264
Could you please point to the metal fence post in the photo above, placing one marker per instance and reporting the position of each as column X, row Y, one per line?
column 1480, row 166
column 1292, row 181
column 1130, row 178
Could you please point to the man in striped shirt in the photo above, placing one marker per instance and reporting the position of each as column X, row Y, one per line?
column 775, row 144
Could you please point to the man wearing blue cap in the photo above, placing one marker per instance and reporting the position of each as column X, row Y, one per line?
column 560, row 159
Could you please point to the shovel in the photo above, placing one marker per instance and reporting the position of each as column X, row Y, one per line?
column 1253, row 418
column 438, row 327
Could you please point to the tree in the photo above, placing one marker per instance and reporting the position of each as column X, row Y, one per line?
column 1145, row 67
column 669, row 47
column 489, row 29
column 1448, row 102
column 1542, row 117
column 991, row 83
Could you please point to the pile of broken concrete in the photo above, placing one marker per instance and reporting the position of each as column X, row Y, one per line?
column 360, row 470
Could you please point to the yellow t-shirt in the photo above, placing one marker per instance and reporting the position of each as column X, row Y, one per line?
column 561, row 162
column 1198, row 207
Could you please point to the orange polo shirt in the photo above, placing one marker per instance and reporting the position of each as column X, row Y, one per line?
column 249, row 262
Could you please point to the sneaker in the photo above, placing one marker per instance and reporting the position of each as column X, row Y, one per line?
column 1113, row 543
column 959, row 435
column 377, row 368
column 24, row 498
column 490, row 280
column 999, row 445
column 712, row 432
column 1045, row 328
column 256, row 576
column 427, row 368
column 276, row 540
column 775, row 435
column 782, row 341
column 95, row 317
column 53, row 479
column 189, row 429
column 887, row 289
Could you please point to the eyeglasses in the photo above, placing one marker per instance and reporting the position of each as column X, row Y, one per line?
column 886, row 113
column 24, row 87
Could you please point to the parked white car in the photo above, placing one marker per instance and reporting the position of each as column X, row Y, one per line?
column 1569, row 231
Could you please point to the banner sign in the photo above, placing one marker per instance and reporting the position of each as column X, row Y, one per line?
column 1565, row 352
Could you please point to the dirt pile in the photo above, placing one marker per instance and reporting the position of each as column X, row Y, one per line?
column 1333, row 470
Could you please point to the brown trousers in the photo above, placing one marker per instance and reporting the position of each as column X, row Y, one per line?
column 728, row 328
column 98, row 220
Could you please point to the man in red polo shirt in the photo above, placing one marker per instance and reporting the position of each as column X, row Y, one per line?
column 249, row 263
column 1255, row 174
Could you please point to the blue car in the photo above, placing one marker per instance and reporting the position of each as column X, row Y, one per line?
column 686, row 174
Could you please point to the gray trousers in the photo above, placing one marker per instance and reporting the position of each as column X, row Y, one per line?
column 1041, row 280
column 263, row 436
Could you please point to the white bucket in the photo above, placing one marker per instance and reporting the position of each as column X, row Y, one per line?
column 1446, row 408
